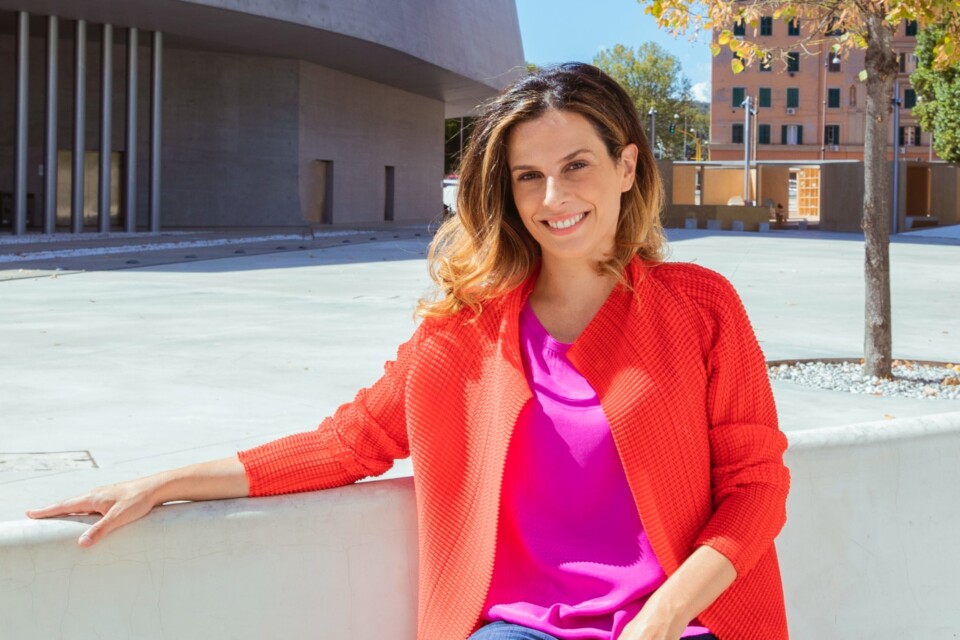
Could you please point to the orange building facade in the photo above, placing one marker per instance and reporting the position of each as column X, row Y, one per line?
column 813, row 108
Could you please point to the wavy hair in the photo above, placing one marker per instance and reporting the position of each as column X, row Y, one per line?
column 484, row 251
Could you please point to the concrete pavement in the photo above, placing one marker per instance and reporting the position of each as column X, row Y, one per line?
column 188, row 359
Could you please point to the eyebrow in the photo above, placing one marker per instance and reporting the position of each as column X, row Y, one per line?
column 569, row 156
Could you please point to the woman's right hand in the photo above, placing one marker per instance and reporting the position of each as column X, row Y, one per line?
column 123, row 503
column 119, row 504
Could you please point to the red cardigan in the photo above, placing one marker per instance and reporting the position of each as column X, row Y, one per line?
column 683, row 384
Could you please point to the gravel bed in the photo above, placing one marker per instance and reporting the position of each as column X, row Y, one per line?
column 910, row 379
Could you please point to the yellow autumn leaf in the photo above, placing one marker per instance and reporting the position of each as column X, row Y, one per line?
column 863, row 75
column 714, row 48
column 736, row 65
column 724, row 37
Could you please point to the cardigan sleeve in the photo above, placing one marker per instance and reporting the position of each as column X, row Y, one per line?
column 361, row 439
column 748, row 478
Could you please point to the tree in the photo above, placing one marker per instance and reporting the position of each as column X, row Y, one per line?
column 939, row 91
column 653, row 78
column 838, row 25
column 456, row 133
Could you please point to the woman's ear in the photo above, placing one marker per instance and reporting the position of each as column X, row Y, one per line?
column 628, row 166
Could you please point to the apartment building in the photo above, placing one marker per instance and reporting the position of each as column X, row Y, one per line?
column 811, row 108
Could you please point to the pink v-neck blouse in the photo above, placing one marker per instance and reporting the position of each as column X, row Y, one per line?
column 572, row 559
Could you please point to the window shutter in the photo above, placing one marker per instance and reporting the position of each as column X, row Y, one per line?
column 903, row 136
column 765, row 100
column 783, row 134
column 916, row 135
column 739, row 94
column 799, row 134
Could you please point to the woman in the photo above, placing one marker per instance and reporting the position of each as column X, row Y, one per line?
column 594, row 435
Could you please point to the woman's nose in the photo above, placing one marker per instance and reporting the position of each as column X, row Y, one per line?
column 555, row 195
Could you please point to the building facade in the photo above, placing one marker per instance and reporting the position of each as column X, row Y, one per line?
column 813, row 107
column 132, row 114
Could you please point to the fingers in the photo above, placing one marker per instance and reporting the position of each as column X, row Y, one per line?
column 97, row 531
column 120, row 504
column 86, row 504
column 79, row 505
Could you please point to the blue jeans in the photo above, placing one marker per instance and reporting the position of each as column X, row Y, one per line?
column 505, row 631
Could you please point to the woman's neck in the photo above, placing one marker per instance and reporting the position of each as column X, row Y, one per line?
column 567, row 296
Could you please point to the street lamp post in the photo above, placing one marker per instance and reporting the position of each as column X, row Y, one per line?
column 823, row 108
column 653, row 136
column 895, row 205
column 748, row 113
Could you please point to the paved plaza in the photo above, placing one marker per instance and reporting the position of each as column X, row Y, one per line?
column 133, row 362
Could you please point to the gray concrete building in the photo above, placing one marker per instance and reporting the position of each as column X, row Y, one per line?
column 211, row 113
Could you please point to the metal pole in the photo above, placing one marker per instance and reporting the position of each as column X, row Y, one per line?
column 895, row 205
column 23, row 70
column 50, row 133
column 823, row 109
column 746, row 150
column 156, row 99
column 130, row 170
column 684, row 137
column 79, row 123
column 653, row 136
column 106, row 126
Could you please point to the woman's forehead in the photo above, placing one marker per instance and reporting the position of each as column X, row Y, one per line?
column 553, row 136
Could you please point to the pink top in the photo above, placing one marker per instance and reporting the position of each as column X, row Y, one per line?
column 572, row 558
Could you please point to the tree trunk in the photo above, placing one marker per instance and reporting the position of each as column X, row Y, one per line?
column 882, row 68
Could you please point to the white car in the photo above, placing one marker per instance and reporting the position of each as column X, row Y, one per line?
column 450, row 195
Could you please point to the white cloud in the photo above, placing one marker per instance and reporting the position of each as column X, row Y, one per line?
column 701, row 91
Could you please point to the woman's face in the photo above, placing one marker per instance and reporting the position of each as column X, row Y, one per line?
column 566, row 186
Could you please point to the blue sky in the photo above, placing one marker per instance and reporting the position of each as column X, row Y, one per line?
column 565, row 30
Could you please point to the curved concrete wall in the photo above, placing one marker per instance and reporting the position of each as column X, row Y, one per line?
column 460, row 53
column 479, row 39
column 869, row 551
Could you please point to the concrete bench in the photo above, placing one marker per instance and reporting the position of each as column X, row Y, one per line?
column 716, row 217
column 869, row 552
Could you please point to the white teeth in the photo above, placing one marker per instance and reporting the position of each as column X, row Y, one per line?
column 565, row 224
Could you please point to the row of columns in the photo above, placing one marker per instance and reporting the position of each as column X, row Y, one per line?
column 79, row 123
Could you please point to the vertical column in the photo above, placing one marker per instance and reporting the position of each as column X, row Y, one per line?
column 130, row 169
column 79, row 122
column 20, row 165
column 106, row 126
column 50, row 132
column 156, row 101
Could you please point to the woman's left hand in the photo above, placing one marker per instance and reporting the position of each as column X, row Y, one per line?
column 692, row 588
column 654, row 622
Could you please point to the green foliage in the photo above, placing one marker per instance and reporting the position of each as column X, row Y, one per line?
column 653, row 77
column 939, row 91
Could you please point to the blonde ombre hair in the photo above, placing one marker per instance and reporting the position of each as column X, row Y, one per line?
column 484, row 251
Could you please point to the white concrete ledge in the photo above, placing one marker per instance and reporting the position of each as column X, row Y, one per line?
column 870, row 547
column 869, row 551
column 338, row 564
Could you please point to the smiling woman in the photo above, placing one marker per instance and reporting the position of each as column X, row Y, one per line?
column 595, row 440
column 569, row 201
column 488, row 248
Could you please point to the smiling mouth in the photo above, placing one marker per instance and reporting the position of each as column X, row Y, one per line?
column 565, row 223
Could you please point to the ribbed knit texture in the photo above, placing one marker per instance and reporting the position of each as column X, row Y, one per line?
column 683, row 384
